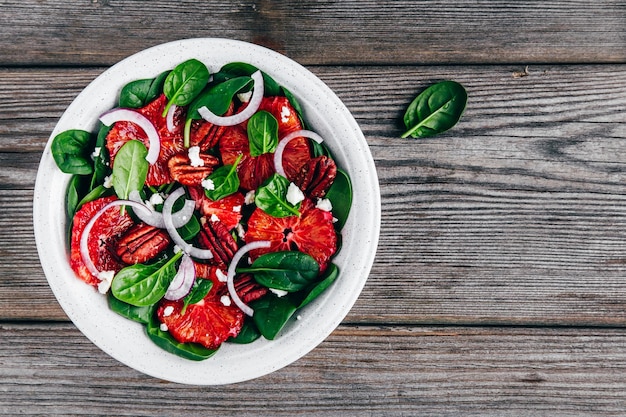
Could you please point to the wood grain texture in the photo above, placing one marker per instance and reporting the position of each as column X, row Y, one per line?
column 373, row 371
column 101, row 32
column 516, row 216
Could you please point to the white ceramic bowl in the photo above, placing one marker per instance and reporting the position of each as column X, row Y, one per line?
column 125, row 340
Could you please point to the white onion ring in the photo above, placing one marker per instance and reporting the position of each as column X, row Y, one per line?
column 251, row 108
column 128, row 115
column 183, row 280
column 84, row 237
column 282, row 144
column 154, row 218
column 169, row 117
column 231, row 272
column 171, row 229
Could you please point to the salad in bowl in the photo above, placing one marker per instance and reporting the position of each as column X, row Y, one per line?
column 208, row 208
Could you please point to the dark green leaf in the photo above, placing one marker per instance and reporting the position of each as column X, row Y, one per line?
column 330, row 275
column 184, row 83
column 99, row 191
column 139, row 314
column 271, row 313
column 225, row 181
column 130, row 168
column 101, row 161
column 295, row 104
column 435, row 110
column 218, row 97
column 143, row 285
column 340, row 196
column 165, row 341
column 262, row 133
column 73, row 195
column 289, row 270
column 237, row 69
column 200, row 289
column 248, row 334
column 72, row 151
column 141, row 92
column 271, row 197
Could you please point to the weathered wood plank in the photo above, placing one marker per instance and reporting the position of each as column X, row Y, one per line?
column 51, row 369
column 515, row 216
column 320, row 32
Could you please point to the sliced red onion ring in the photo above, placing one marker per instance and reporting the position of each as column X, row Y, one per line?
column 183, row 280
column 171, row 229
column 128, row 115
column 235, row 119
column 155, row 218
column 278, row 153
column 231, row 272
column 84, row 238
column 169, row 117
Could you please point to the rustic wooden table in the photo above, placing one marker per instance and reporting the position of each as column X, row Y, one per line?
column 499, row 286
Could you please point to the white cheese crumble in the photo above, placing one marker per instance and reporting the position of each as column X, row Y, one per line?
column 163, row 327
column 240, row 231
column 96, row 152
column 224, row 299
column 324, row 204
column 245, row 97
column 167, row 311
column 221, row 276
column 285, row 113
column 214, row 218
column 194, row 156
column 108, row 181
column 249, row 199
column 105, row 277
column 208, row 184
column 237, row 209
column 156, row 199
column 279, row 293
column 298, row 317
column 294, row 194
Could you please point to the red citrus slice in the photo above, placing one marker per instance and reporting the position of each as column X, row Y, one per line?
column 227, row 209
column 105, row 233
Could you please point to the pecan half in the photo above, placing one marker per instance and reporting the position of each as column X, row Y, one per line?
column 182, row 171
column 206, row 135
column 316, row 176
column 247, row 288
column 142, row 243
column 216, row 237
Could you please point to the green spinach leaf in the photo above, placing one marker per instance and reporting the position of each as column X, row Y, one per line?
column 184, row 83
column 138, row 93
column 262, row 133
column 143, row 285
column 435, row 110
column 340, row 196
column 139, row 314
column 330, row 275
column 225, row 181
column 288, row 270
column 248, row 334
column 271, row 197
column 130, row 168
column 72, row 150
column 101, row 158
column 271, row 313
column 238, row 69
column 200, row 289
column 165, row 341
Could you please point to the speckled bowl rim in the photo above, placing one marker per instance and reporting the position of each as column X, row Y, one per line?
column 125, row 340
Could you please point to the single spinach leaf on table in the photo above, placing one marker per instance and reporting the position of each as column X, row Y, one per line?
column 435, row 110
column 138, row 93
column 271, row 197
column 262, row 133
column 286, row 270
column 184, row 83
column 130, row 168
column 165, row 341
column 143, row 285
column 72, row 151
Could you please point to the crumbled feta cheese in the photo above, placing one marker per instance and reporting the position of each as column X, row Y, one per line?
column 214, row 218
column 96, row 152
column 279, row 293
column 240, row 231
column 167, row 311
column 194, row 156
column 324, row 204
column 245, row 97
column 208, row 184
column 156, row 199
column 221, row 276
column 108, row 181
column 163, row 327
column 237, row 209
column 285, row 113
column 294, row 194
column 224, row 299
column 249, row 197
column 105, row 277
column 298, row 317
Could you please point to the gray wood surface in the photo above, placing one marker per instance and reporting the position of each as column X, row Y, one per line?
column 499, row 285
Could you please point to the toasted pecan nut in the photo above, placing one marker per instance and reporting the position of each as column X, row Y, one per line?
column 316, row 176
column 184, row 172
column 247, row 288
column 216, row 237
column 206, row 135
column 142, row 243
